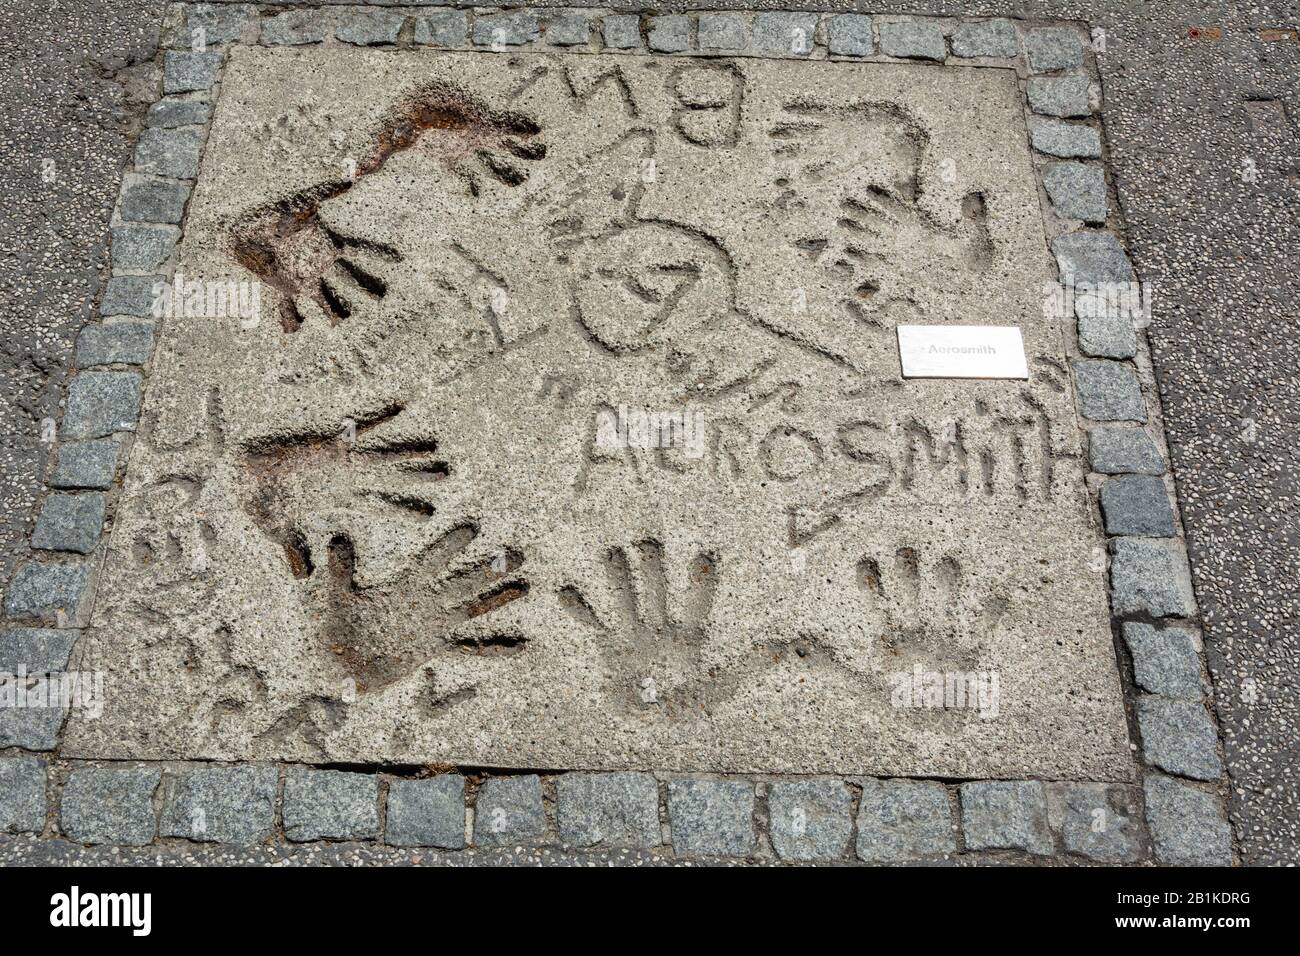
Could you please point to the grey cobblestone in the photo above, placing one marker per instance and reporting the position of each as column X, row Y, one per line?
column 70, row 522
column 849, row 34
column 1109, row 391
column 711, row 817
column 222, row 805
column 110, row 805
column 141, row 246
column 1105, row 330
column 901, row 820
column 1137, row 505
column 1065, row 96
column 509, row 810
column 608, row 809
column 991, row 38
column 572, row 28
column 1149, row 577
column 44, row 589
column 362, row 27
column 622, row 31
column 109, row 343
column 669, row 34
column 169, row 152
column 185, row 71
column 86, row 464
column 330, row 805
column 100, row 403
column 442, row 28
column 129, row 295
column 22, row 795
column 788, row 34
column 1077, row 190
column 1005, row 815
column 1187, row 825
column 428, row 812
column 810, row 819
column 1164, row 661
column 145, row 199
column 507, row 29
column 1179, row 737
column 722, row 31
column 297, row 27
column 1065, row 140
column 1053, row 48
column 1113, row 450
column 170, row 113
column 220, row 23
column 1092, row 258
column 1094, row 829
column 918, row 40
column 35, row 651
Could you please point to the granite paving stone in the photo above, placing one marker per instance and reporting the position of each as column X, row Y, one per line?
column 809, row 819
column 1178, row 736
column 70, row 522
column 1005, row 815
column 427, row 812
column 711, row 817
column 86, row 464
column 509, row 810
column 233, row 805
column 608, row 809
column 330, row 805
column 1165, row 661
column 110, row 805
column 903, row 820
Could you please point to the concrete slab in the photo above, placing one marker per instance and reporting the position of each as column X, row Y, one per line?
column 395, row 515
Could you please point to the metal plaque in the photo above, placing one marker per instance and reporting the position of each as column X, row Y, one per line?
column 962, row 351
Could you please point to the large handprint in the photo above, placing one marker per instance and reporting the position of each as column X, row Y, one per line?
column 315, row 496
column 324, row 274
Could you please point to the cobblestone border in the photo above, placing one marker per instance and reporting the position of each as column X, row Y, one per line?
column 1175, row 816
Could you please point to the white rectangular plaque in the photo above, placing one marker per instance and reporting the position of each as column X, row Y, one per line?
column 962, row 351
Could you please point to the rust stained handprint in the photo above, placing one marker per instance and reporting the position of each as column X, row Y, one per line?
column 319, row 270
column 314, row 495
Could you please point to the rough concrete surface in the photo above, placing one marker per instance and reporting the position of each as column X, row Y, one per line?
column 457, row 559
column 1184, row 106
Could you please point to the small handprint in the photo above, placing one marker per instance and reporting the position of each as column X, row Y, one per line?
column 925, row 610
column 655, row 643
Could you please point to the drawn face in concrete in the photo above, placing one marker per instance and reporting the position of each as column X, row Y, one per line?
column 418, row 547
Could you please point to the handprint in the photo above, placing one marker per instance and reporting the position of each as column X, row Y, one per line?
column 851, row 212
column 654, row 640
column 330, row 500
column 326, row 273
column 924, row 608
column 382, row 634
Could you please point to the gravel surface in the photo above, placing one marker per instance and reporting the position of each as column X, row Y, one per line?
column 71, row 90
column 1203, row 140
